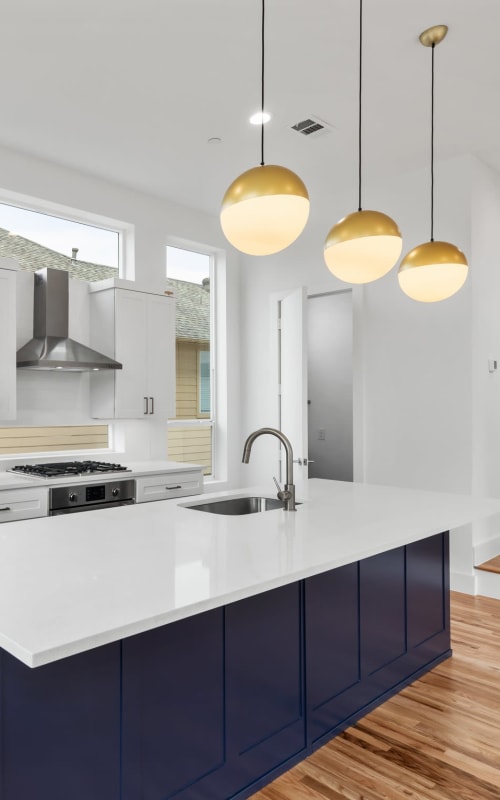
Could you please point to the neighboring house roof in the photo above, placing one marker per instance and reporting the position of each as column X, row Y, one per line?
column 193, row 310
column 192, row 300
column 32, row 256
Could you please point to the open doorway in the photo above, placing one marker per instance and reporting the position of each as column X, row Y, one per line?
column 330, row 385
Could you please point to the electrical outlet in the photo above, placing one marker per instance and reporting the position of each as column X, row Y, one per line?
column 322, row 434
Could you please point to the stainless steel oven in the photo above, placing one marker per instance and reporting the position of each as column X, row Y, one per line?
column 110, row 492
column 91, row 496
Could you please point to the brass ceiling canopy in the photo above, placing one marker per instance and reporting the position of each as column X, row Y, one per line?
column 433, row 36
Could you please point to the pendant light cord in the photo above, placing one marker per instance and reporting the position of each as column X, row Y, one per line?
column 359, row 99
column 432, row 145
column 262, row 89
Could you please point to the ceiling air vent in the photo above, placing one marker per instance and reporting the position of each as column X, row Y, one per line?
column 312, row 126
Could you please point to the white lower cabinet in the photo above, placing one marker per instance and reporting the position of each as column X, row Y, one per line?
column 169, row 485
column 138, row 330
column 8, row 340
column 16, row 504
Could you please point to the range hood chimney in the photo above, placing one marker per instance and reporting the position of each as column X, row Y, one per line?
column 51, row 348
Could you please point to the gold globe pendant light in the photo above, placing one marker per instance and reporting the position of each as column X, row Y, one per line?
column 364, row 245
column 433, row 271
column 266, row 208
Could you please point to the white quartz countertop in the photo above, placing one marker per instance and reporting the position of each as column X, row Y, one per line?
column 74, row 582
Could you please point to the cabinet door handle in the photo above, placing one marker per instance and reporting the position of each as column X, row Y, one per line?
column 173, row 487
column 152, row 405
column 145, row 405
column 7, row 508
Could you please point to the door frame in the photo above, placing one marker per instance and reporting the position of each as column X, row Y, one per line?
column 358, row 382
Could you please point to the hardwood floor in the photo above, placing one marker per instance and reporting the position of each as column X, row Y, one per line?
column 439, row 739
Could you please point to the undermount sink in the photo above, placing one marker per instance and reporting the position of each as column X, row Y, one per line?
column 239, row 505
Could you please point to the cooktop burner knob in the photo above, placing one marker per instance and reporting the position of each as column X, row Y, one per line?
column 72, row 497
column 115, row 492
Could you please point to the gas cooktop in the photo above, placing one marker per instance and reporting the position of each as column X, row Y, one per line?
column 63, row 469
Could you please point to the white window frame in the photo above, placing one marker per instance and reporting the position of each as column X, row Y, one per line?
column 218, row 359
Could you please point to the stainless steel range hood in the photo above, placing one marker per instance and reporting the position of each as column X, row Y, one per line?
column 51, row 348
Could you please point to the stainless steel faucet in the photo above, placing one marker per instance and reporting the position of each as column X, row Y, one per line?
column 286, row 495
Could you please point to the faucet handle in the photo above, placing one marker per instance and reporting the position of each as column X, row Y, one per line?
column 283, row 494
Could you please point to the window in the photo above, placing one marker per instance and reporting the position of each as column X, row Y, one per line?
column 190, row 432
column 36, row 240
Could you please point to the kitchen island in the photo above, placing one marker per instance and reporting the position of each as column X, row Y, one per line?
column 153, row 651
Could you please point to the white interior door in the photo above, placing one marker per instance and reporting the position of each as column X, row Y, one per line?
column 293, row 381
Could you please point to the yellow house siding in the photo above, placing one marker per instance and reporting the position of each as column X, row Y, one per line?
column 189, row 444
column 50, row 439
column 187, row 388
column 193, row 445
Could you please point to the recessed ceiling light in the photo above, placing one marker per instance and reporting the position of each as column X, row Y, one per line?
column 260, row 118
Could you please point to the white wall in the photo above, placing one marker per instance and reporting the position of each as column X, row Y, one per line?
column 52, row 398
column 417, row 357
column 485, row 239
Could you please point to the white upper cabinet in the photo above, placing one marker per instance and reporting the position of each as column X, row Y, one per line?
column 8, row 270
column 137, row 329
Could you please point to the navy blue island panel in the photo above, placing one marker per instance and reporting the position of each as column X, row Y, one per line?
column 173, row 708
column 215, row 706
column 371, row 628
column 60, row 727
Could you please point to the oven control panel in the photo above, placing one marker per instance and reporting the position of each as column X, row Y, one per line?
column 85, row 496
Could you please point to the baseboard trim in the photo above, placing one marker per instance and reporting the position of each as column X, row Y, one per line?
column 464, row 583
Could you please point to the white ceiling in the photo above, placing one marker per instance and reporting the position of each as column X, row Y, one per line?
column 132, row 90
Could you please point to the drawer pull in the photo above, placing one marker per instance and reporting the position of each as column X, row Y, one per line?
column 173, row 487
column 7, row 508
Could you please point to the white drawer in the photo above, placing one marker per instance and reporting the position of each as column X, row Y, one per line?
column 23, row 504
column 166, row 486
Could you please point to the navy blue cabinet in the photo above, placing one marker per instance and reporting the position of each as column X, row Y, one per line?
column 215, row 701
column 332, row 648
column 264, row 683
column 382, row 586
column 428, row 598
column 173, row 710
column 372, row 627
column 61, row 727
